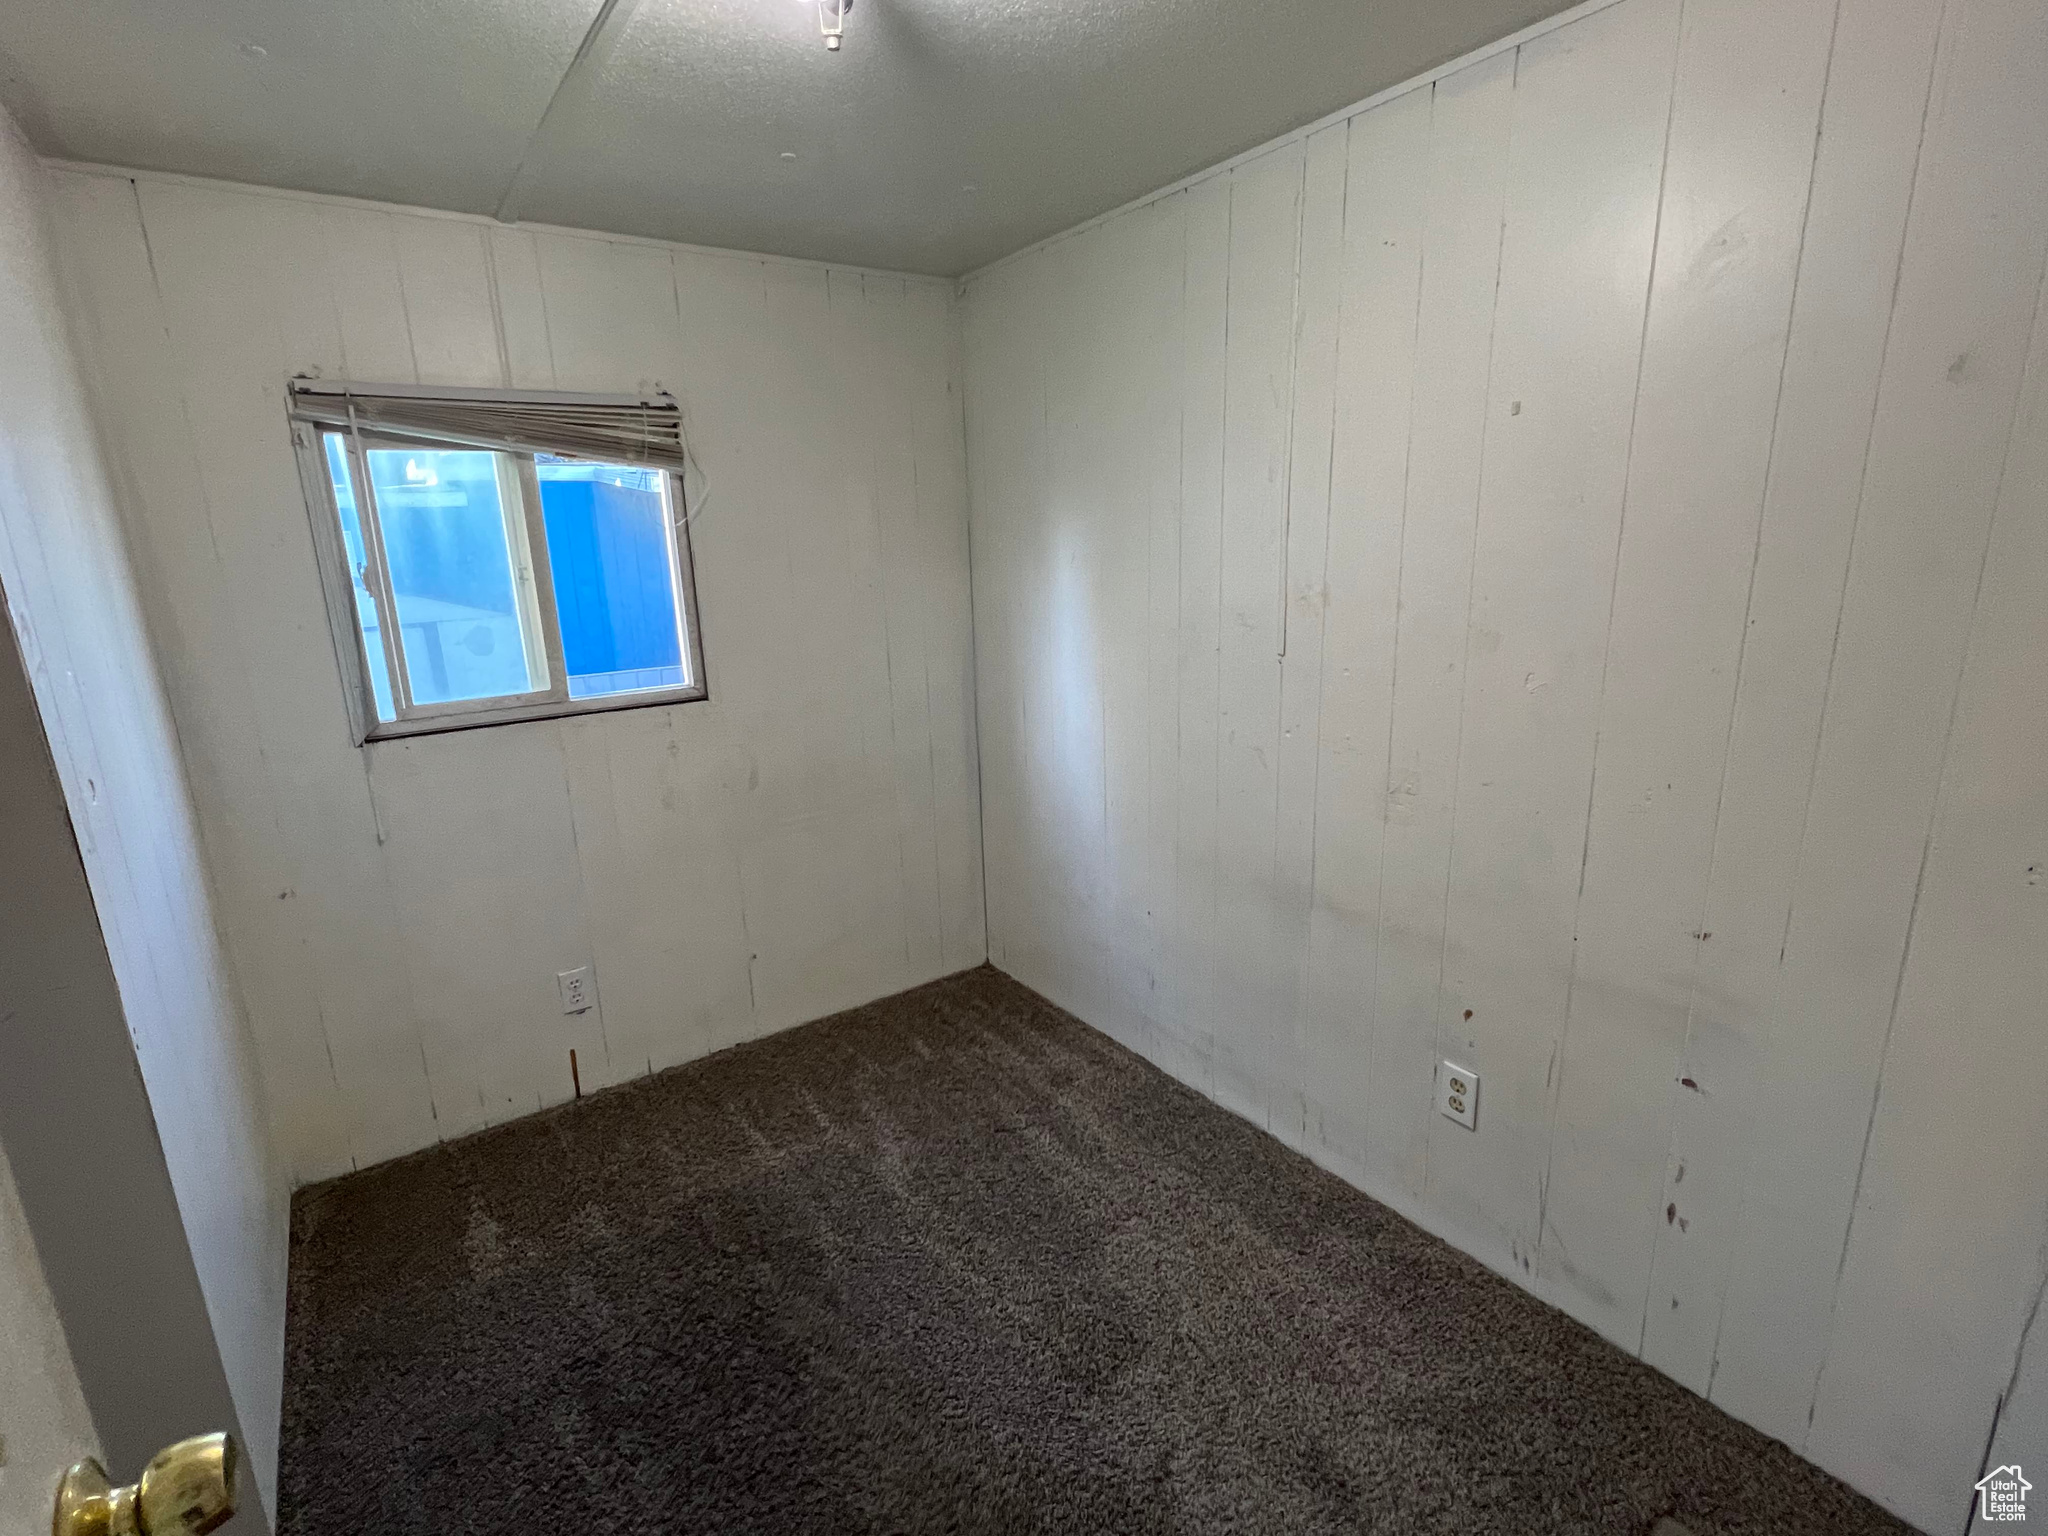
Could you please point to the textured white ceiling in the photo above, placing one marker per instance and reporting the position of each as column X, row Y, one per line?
column 946, row 133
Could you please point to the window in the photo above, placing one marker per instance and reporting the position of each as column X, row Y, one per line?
column 492, row 556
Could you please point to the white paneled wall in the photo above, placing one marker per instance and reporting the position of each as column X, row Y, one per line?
column 70, row 584
column 805, row 840
column 1549, row 572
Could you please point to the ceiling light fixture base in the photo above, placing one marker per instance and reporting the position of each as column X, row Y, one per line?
column 832, row 22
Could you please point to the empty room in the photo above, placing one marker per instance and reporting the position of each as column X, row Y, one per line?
column 896, row 766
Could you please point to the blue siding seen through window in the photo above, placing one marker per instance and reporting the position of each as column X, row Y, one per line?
column 450, row 559
column 454, row 530
column 615, row 591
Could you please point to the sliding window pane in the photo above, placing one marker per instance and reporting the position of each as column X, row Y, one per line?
column 614, row 571
column 358, row 569
column 451, row 538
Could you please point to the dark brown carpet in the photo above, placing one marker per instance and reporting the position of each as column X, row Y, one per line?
column 952, row 1262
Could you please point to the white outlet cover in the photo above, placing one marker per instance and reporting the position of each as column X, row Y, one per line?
column 1457, row 1094
column 579, row 990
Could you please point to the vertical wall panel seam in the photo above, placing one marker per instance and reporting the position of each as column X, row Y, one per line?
column 1934, row 810
column 1741, row 655
column 206, row 499
column 127, row 494
column 1507, row 150
column 1835, row 643
column 488, row 257
column 1556, row 1088
column 1293, row 410
column 547, row 318
column 2012, row 1386
column 1222, row 508
column 931, row 749
column 1379, row 947
column 1305, row 994
column 561, row 734
column 390, row 228
column 1180, row 580
column 1292, row 1064
column 873, row 490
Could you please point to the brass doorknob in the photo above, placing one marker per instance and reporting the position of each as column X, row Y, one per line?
column 187, row 1487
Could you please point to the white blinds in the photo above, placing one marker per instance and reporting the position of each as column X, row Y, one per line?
column 612, row 429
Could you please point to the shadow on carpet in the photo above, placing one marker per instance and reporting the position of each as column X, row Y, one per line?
column 953, row 1262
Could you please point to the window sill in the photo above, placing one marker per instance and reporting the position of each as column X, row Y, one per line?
column 522, row 714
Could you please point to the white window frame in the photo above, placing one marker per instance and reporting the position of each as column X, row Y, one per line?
column 526, row 537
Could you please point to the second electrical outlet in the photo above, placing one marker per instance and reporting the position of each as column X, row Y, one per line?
column 1457, row 1094
column 579, row 991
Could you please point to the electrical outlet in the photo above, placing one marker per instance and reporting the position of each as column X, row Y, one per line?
column 579, row 992
column 1457, row 1094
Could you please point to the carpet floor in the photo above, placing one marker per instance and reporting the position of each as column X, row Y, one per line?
column 953, row 1262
